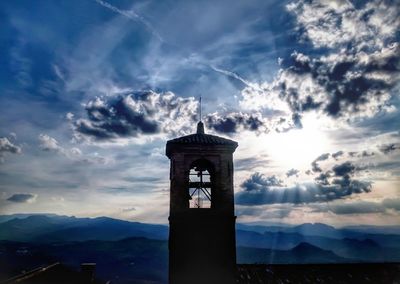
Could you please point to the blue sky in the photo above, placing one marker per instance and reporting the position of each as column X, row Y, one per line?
column 91, row 90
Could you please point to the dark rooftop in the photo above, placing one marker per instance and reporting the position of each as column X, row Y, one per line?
column 201, row 138
column 56, row 273
column 377, row 273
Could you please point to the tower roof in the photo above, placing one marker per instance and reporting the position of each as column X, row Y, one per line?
column 200, row 138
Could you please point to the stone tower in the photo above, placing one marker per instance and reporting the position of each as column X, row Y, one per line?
column 202, row 219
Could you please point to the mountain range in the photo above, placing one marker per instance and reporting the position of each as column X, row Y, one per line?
column 124, row 249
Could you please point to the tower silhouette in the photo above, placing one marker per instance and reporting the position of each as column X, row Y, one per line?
column 202, row 219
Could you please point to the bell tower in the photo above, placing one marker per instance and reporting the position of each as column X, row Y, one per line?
column 202, row 245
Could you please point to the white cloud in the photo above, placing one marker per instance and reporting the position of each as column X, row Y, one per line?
column 6, row 146
column 335, row 23
column 50, row 144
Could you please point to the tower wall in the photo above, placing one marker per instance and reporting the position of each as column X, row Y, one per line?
column 202, row 241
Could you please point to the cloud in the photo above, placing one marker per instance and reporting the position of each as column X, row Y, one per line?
column 236, row 122
column 364, row 58
column 389, row 148
column 323, row 178
column 258, row 181
column 367, row 154
column 354, row 207
column 352, row 154
column 251, row 163
column 50, row 144
column 263, row 212
column 392, row 203
column 340, row 85
column 358, row 72
column 337, row 154
column 6, row 146
column 134, row 114
column 344, row 169
column 259, row 189
column 21, row 65
column 23, row 198
column 359, row 206
column 315, row 165
column 148, row 113
column 130, row 209
column 292, row 172
column 337, row 23
column 362, row 154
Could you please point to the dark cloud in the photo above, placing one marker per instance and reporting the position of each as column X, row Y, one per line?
column 389, row 148
column 323, row 178
column 332, row 185
column 297, row 120
column 258, row 181
column 22, row 198
column 367, row 154
column 362, row 154
column 292, row 172
column 315, row 166
column 337, row 154
column 352, row 154
column 322, row 157
column 286, row 124
column 235, row 122
column 301, row 193
column 134, row 114
column 149, row 113
column 344, row 169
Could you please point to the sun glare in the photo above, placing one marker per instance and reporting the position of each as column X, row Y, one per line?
column 297, row 148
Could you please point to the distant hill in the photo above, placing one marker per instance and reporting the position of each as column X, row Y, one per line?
column 5, row 218
column 388, row 230
column 44, row 228
column 302, row 253
column 344, row 243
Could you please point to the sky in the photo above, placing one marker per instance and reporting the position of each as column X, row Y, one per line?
column 90, row 91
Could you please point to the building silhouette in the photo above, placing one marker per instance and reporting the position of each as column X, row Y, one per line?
column 202, row 219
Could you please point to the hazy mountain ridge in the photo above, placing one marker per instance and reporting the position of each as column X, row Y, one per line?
column 45, row 228
column 343, row 245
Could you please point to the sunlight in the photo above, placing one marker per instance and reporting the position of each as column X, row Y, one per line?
column 299, row 147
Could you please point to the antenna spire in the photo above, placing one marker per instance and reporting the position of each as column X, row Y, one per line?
column 200, row 125
column 200, row 109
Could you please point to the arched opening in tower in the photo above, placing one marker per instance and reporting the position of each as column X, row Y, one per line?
column 200, row 184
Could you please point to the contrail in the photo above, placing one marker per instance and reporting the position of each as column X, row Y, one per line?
column 131, row 15
column 236, row 76
column 134, row 16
